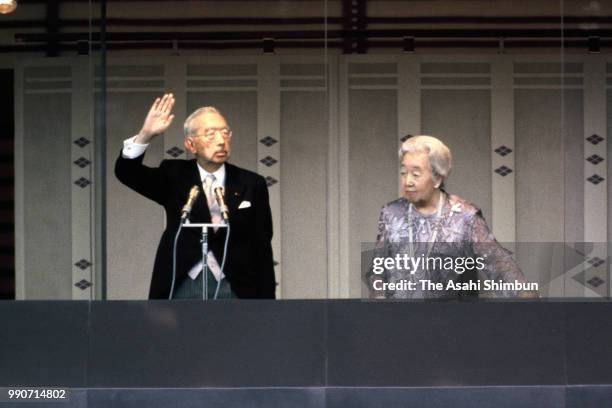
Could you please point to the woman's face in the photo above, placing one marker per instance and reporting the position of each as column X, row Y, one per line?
column 417, row 179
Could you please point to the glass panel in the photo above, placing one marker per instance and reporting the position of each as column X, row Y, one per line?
column 50, row 72
column 319, row 96
column 511, row 93
column 262, row 64
column 584, row 128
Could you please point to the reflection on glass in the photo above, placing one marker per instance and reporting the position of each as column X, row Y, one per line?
column 7, row 6
column 319, row 95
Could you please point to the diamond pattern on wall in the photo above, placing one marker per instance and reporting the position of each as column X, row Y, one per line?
column 268, row 141
column 83, row 284
column 503, row 150
column 81, row 142
column 595, row 281
column 595, row 139
column 82, row 162
column 596, row 179
column 596, row 261
column 175, row 151
column 83, row 264
column 595, row 159
column 269, row 161
column 580, row 278
column 503, row 171
column 271, row 181
column 82, row 182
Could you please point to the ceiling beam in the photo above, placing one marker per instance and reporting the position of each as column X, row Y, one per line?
column 52, row 28
column 418, row 34
column 354, row 23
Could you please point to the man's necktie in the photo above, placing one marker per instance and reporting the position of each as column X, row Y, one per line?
column 215, row 217
column 213, row 206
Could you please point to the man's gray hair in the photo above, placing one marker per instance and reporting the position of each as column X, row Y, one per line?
column 188, row 129
column 440, row 158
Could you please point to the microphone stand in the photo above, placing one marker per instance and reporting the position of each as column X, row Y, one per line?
column 204, row 242
column 185, row 222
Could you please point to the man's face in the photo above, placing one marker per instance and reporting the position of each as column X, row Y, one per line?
column 417, row 179
column 210, row 141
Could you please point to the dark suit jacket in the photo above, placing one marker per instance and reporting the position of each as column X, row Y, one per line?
column 249, row 267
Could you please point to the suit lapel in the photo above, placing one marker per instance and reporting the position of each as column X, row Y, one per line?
column 200, row 212
column 234, row 188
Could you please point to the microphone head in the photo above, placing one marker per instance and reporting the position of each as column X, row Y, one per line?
column 219, row 190
column 193, row 193
column 219, row 195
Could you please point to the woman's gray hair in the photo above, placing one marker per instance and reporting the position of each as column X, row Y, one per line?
column 187, row 128
column 440, row 158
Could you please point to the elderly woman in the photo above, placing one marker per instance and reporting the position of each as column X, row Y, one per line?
column 436, row 244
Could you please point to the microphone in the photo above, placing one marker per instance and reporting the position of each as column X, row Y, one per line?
column 193, row 194
column 219, row 195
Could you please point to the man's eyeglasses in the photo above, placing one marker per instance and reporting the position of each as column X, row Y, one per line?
column 210, row 133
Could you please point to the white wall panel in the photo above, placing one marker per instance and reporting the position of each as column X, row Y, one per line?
column 134, row 223
column 462, row 120
column 373, row 169
column 303, row 196
column 47, row 185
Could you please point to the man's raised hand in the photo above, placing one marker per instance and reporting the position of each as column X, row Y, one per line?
column 158, row 119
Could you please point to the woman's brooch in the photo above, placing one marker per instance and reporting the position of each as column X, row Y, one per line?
column 456, row 208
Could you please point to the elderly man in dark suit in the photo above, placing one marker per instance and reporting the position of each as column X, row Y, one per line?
column 248, row 270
